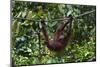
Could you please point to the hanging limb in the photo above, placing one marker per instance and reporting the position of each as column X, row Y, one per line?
column 60, row 30
column 69, row 32
column 66, row 39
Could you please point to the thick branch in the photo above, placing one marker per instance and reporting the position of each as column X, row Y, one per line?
column 44, row 32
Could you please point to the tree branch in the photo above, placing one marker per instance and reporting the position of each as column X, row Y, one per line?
column 64, row 18
column 86, row 13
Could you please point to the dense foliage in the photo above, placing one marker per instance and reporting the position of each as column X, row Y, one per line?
column 28, row 46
